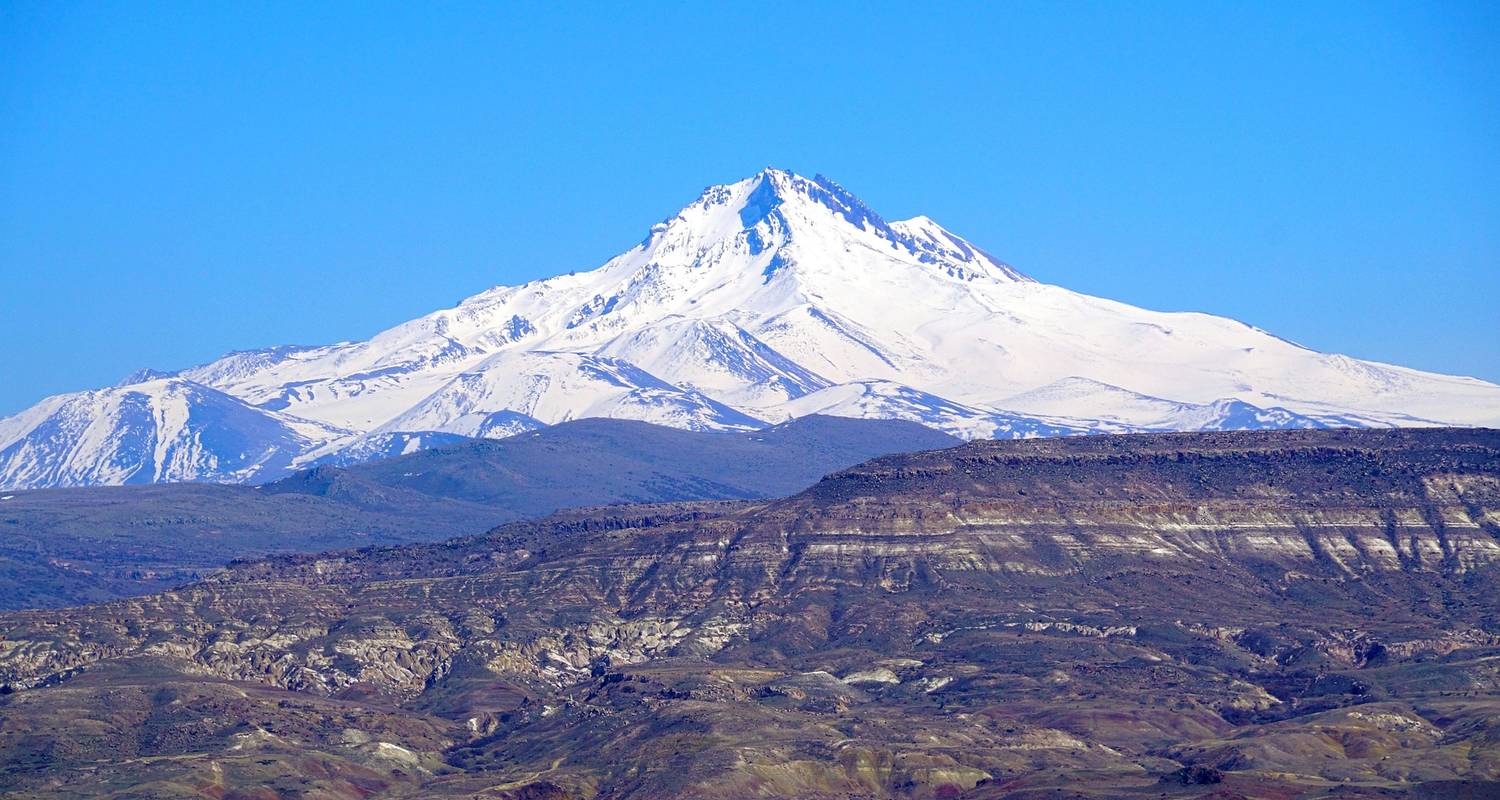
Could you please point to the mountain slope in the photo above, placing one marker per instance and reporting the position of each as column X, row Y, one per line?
column 600, row 461
column 1268, row 615
column 163, row 429
column 555, row 387
column 1110, row 408
column 68, row 546
column 889, row 400
column 763, row 292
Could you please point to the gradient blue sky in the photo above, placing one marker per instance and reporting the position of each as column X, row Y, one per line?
column 177, row 181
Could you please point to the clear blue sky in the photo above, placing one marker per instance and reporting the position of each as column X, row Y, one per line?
column 177, row 181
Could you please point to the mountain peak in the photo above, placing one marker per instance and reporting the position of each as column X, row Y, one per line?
column 775, row 206
column 771, row 184
column 143, row 375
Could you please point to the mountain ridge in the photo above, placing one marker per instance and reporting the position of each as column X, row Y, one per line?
column 77, row 545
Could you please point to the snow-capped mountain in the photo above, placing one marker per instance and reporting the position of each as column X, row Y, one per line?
column 772, row 297
column 1113, row 409
column 157, row 430
column 889, row 400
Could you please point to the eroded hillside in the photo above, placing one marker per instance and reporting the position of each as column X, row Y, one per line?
column 1274, row 614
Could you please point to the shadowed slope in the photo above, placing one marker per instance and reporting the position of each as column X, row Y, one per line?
column 599, row 461
column 68, row 546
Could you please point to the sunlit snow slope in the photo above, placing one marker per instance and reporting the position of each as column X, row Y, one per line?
column 772, row 297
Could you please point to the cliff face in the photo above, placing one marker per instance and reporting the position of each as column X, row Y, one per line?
column 1267, row 612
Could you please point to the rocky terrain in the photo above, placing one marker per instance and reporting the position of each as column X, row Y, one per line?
column 1232, row 615
column 70, row 546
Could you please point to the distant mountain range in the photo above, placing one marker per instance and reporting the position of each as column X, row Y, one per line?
column 78, row 545
column 770, row 298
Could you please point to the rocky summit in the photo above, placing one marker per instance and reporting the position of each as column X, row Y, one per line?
column 1272, row 614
